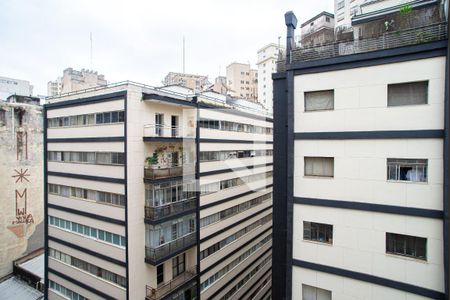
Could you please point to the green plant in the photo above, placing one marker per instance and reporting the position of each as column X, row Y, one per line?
column 405, row 9
column 152, row 160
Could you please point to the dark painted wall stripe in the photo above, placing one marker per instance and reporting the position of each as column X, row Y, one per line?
column 229, row 254
column 87, row 177
column 45, row 163
column 256, row 283
column 446, row 197
column 381, row 208
column 236, row 112
column 168, row 99
column 203, row 140
column 235, row 197
column 395, row 134
column 215, row 172
column 87, row 251
column 86, row 214
column 370, row 279
column 87, row 100
column 396, row 55
column 234, row 224
column 171, row 217
column 81, row 284
column 126, row 191
column 107, row 139
column 167, row 139
column 264, row 297
column 224, row 286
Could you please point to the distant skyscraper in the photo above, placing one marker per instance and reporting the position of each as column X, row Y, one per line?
column 191, row 81
column 11, row 86
column 73, row 80
column 242, row 81
column 267, row 63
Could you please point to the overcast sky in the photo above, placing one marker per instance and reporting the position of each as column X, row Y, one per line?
column 139, row 40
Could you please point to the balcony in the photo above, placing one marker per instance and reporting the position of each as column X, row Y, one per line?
column 158, row 172
column 388, row 40
column 154, row 255
column 158, row 132
column 160, row 212
column 164, row 289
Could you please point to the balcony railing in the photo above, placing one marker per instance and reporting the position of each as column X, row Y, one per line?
column 158, row 130
column 156, row 172
column 153, row 254
column 388, row 40
column 159, row 212
column 162, row 290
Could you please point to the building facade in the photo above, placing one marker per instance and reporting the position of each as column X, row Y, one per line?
column 21, row 199
column 197, row 83
column 73, row 80
column 267, row 63
column 318, row 30
column 11, row 86
column 242, row 81
column 168, row 196
column 361, row 169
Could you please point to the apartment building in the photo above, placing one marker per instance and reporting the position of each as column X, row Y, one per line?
column 73, row 80
column 157, row 193
column 242, row 81
column 267, row 63
column 197, row 83
column 11, row 86
column 344, row 10
column 361, row 166
column 21, row 197
column 318, row 30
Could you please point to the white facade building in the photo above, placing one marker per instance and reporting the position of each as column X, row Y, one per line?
column 11, row 86
column 361, row 170
column 267, row 63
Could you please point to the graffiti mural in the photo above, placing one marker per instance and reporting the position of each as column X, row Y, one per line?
column 22, row 216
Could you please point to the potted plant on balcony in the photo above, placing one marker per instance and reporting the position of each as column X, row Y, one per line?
column 152, row 160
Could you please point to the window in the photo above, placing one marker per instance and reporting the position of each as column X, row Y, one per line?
column 2, row 117
column 314, row 293
column 327, row 19
column 178, row 265
column 340, row 4
column 160, row 274
column 319, row 166
column 414, row 170
column 318, row 232
column 319, row 100
column 408, row 93
column 406, row 245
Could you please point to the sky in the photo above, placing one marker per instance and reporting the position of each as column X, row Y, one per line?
column 139, row 40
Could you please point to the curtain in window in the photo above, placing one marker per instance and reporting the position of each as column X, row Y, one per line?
column 319, row 166
column 323, row 100
column 408, row 93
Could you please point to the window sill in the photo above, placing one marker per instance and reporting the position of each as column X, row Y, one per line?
column 85, row 163
column 406, row 258
column 318, row 110
column 408, row 182
column 318, row 243
column 318, row 177
column 88, row 125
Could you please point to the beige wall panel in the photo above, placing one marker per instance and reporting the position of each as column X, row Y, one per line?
column 102, row 130
column 233, row 146
column 86, row 109
column 116, row 188
column 234, row 163
column 220, row 114
column 87, row 147
column 87, row 169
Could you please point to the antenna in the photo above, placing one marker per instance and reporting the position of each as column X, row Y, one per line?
column 184, row 56
column 91, row 48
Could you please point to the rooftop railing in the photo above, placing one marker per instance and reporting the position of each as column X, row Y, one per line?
column 388, row 40
column 156, row 213
column 154, row 254
column 153, row 293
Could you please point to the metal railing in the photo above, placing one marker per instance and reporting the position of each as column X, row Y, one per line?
column 158, row 130
column 153, row 254
column 156, row 172
column 162, row 290
column 159, row 212
column 388, row 40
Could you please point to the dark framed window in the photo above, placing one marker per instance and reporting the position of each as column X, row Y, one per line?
column 318, row 232
column 107, row 117
column 121, row 116
column 414, row 170
column 178, row 265
column 99, row 118
column 410, row 93
column 115, row 117
column 319, row 100
column 160, row 274
column 319, row 166
column 406, row 245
